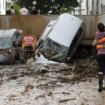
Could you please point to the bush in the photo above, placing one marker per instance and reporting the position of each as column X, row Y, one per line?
column 17, row 8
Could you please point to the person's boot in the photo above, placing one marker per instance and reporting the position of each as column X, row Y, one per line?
column 100, row 82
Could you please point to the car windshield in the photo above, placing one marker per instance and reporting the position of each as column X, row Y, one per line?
column 54, row 51
column 5, row 42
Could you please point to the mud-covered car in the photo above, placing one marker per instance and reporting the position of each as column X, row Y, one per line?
column 10, row 43
column 59, row 42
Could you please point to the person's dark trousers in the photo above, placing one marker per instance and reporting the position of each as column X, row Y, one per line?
column 100, row 81
column 101, row 64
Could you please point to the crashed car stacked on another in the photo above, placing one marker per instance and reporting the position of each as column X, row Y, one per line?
column 10, row 41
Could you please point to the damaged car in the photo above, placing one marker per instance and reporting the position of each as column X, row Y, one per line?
column 45, row 33
column 63, row 38
column 10, row 41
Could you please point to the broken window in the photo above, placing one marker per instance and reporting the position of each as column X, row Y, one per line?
column 5, row 42
column 54, row 51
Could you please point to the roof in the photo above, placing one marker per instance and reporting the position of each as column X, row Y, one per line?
column 7, row 32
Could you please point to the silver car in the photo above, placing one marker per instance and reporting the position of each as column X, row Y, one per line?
column 10, row 41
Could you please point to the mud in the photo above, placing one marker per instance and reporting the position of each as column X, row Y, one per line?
column 75, row 83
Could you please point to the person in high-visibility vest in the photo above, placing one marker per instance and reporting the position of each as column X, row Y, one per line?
column 99, row 42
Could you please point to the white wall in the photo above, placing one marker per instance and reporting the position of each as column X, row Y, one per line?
column 103, row 2
column 103, row 6
column 83, row 7
column 89, row 7
column 2, row 7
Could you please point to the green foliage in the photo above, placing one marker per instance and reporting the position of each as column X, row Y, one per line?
column 69, row 4
column 26, row 3
column 72, row 3
column 63, row 10
column 16, row 7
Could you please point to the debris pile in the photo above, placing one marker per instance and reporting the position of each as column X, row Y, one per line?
column 85, row 69
column 79, row 69
column 74, row 71
column 49, row 84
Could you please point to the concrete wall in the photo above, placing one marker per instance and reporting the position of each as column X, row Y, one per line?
column 29, row 24
column 35, row 24
column 91, row 24
column 101, row 18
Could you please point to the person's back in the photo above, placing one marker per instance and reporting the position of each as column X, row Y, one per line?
column 23, row 11
column 99, row 35
column 12, row 10
column 34, row 11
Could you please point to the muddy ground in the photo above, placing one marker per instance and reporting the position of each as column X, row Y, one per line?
column 75, row 83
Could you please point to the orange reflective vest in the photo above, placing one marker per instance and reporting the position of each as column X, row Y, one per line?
column 101, row 40
column 99, row 46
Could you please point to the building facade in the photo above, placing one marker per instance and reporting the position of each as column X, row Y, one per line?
column 2, row 7
column 90, row 7
column 86, row 7
column 103, row 6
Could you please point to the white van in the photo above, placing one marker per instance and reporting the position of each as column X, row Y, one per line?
column 63, row 38
column 45, row 32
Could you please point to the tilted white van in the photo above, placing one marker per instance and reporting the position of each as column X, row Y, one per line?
column 63, row 38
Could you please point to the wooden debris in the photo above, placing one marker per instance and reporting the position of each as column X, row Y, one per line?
column 68, row 99
column 40, row 96
column 28, row 87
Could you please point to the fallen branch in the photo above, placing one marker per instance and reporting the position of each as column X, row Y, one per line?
column 64, row 100
column 40, row 96
column 86, row 71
